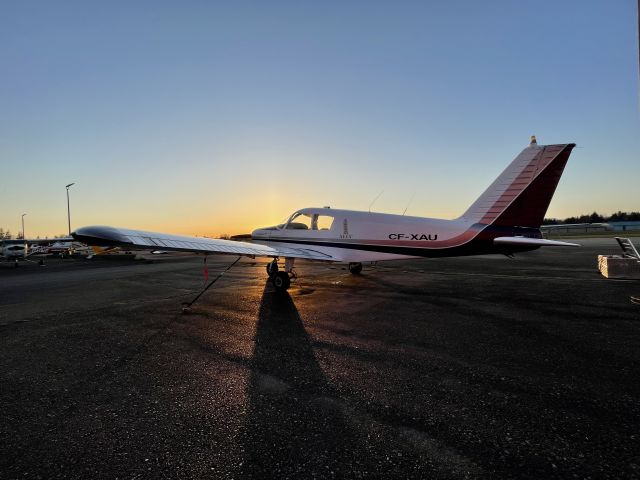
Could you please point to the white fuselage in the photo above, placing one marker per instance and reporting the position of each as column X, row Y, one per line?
column 354, row 236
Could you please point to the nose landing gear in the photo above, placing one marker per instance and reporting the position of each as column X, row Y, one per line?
column 272, row 268
column 281, row 280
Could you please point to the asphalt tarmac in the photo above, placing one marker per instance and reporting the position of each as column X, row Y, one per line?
column 480, row 367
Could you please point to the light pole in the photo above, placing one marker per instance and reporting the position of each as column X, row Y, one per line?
column 24, row 237
column 68, row 209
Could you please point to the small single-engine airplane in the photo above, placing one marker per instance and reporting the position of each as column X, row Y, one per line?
column 505, row 219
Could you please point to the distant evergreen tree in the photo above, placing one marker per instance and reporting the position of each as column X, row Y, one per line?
column 595, row 217
column 617, row 217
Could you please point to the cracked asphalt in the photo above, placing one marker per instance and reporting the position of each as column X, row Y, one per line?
column 480, row 367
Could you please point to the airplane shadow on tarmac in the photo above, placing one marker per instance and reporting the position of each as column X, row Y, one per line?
column 294, row 423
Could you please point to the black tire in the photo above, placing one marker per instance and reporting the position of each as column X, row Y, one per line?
column 355, row 268
column 281, row 281
column 272, row 268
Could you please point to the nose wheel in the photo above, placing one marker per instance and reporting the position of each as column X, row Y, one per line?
column 281, row 279
column 272, row 268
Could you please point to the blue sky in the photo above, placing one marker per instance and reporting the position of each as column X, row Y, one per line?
column 218, row 117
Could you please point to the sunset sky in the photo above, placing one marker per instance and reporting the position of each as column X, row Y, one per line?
column 219, row 117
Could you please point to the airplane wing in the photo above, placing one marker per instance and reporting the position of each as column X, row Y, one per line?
column 535, row 242
column 140, row 240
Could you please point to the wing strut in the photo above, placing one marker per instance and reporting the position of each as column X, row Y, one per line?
column 186, row 308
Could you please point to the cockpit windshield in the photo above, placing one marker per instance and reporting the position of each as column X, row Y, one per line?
column 309, row 221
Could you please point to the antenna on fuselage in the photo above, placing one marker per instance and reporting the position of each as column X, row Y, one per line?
column 409, row 203
column 374, row 200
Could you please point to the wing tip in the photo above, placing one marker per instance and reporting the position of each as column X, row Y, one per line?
column 100, row 235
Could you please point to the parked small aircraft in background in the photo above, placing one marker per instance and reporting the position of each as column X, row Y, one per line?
column 13, row 250
column 505, row 219
column 20, row 249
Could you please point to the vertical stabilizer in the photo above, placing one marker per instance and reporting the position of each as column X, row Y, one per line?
column 521, row 195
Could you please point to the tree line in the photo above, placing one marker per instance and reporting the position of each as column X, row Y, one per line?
column 595, row 217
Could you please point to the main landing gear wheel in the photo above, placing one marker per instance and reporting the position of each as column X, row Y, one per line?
column 355, row 268
column 272, row 268
column 281, row 281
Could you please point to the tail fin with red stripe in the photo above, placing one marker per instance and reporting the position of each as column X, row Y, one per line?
column 521, row 195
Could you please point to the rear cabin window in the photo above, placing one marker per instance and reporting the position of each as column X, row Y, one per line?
column 323, row 222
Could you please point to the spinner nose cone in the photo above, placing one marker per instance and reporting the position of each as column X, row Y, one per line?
column 100, row 236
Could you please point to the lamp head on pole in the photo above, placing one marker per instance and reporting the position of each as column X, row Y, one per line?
column 67, row 187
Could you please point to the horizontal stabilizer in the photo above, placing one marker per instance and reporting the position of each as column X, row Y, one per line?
column 534, row 242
